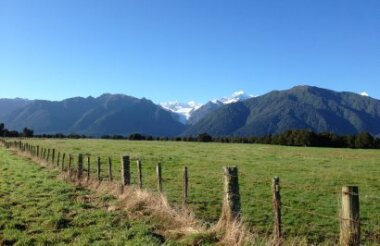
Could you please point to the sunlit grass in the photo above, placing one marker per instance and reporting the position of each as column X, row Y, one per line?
column 311, row 180
column 38, row 209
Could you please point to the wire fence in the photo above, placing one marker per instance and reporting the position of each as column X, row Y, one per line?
column 106, row 173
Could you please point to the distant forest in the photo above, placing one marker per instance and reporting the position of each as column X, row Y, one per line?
column 363, row 140
column 14, row 134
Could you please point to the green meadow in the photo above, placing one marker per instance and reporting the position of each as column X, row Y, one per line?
column 311, row 181
column 38, row 209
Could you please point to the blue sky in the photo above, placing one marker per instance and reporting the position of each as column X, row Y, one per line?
column 186, row 50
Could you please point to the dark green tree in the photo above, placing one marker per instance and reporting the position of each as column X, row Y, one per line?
column 27, row 133
column 136, row 136
column 364, row 140
column 2, row 128
column 204, row 137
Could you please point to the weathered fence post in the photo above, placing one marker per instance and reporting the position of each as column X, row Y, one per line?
column 139, row 174
column 350, row 217
column 63, row 162
column 58, row 158
column 98, row 169
column 110, row 168
column 80, row 166
column 53, row 156
column 159, row 177
column 185, row 187
column 88, row 167
column 125, row 170
column 276, row 202
column 231, row 206
column 70, row 160
column 48, row 155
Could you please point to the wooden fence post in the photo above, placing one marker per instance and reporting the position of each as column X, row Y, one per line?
column 70, row 160
column 350, row 217
column 63, row 162
column 58, row 158
column 110, row 168
column 231, row 206
column 98, row 169
column 125, row 170
column 53, row 156
column 185, row 187
column 48, row 155
column 139, row 174
column 276, row 202
column 88, row 167
column 80, row 166
column 159, row 177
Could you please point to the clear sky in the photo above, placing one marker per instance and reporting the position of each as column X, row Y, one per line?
column 186, row 49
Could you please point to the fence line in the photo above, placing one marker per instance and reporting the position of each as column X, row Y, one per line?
column 350, row 231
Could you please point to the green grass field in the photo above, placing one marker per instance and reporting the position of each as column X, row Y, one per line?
column 311, row 180
column 37, row 209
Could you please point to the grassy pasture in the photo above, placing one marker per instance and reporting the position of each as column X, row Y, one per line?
column 37, row 209
column 311, row 180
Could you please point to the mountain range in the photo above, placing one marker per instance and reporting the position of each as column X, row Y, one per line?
column 111, row 114
column 191, row 112
column 301, row 107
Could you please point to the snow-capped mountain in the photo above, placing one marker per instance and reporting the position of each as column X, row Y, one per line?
column 184, row 112
column 235, row 97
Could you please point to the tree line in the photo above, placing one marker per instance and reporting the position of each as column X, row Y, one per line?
column 363, row 140
column 288, row 138
column 311, row 139
column 26, row 132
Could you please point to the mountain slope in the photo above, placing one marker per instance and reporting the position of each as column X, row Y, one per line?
column 201, row 111
column 224, row 121
column 9, row 105
column 192, row 112
column 107, row 114
column 302, row 107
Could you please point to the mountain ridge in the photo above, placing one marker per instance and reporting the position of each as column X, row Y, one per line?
column 191, row 112
column 301, row 107
column 115, row 114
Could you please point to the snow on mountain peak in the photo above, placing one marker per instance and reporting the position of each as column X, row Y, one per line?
column 235, row 97
column 184, row 109
column 238, row 93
